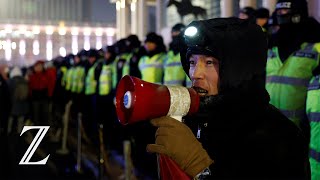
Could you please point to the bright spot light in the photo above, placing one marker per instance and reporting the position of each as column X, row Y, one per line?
column 191, row 31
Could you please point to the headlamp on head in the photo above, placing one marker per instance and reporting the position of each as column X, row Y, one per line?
column 197, row 41
column 193, row 36
column 191, row 31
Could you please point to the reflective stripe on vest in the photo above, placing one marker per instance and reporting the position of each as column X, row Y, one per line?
column 293, row 113
column 315, row 83
column 152, row 68
column 105, row 80
column 287, row 82
column 188, row 82
column 173, row 64
column 314, row 154
column 314, row 117
column 142, row 67
column 174, row 82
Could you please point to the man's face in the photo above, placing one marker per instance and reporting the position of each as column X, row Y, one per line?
column 107, row 55
column 150, row 46
column 282, row 11
column 92, row 60
column 38, row 68
column 76, row 59
column 204, row 74
column 175, row 33
column 261, row 21
column 243, row 16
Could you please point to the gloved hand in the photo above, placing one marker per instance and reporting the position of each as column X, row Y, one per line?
column 176, row 140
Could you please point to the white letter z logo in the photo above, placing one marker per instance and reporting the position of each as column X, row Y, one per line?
column 34, row 145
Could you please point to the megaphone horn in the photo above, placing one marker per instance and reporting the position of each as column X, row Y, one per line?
column 138, row 100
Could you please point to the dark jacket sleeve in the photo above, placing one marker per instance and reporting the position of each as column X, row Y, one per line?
column 97, row 71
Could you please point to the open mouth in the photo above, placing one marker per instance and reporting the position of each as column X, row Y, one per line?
column 200, row 91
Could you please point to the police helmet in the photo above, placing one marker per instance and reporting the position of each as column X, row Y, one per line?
column 297, row 11
column 93, row 53
column 82, row 55
column 133, row 41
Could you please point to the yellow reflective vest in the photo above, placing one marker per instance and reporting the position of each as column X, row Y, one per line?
column 105, row 80
column 151, row 68
column 91, row 83
column 313, row 113
column 287, row 81
column 173, row 70
column 78, row 75
column 63, row 70
column 68, row 78
column 124, row 56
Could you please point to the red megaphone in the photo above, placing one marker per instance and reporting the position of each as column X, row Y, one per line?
column 138, row 100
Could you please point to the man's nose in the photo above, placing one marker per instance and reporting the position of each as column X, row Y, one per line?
column 198, row 72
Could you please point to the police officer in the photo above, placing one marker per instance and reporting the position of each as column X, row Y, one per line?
column 247, row 13
column 91, row 81
column 77, row 83
column 313, row 113
column 173, row 71
column 105, row 107
column 136, row 52
column 262, row 17
column 151, row 65
column 123, row 56
column 236, row 134
column 292, row 62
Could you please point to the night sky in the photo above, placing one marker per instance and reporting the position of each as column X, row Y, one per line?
column 103, row 11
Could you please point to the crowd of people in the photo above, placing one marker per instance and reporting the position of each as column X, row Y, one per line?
column 241, row 67
column 38, row 95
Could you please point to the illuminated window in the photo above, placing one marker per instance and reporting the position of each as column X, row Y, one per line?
column 8, row 50
column 62, row 51
column 49, row 49
column 36, row 47
column 98, row 42
column 22, row 47
column 86, row 43
column 74, row 45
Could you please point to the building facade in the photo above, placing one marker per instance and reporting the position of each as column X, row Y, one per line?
column 43, row 29
column 132, row 15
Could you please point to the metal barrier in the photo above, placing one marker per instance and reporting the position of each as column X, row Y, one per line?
column 64, row 150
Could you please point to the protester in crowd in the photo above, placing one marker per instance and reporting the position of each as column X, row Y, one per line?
column 39, row 87
column 18, row 87
column 236, row 134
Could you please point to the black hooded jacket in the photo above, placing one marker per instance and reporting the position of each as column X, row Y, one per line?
column 245, row 136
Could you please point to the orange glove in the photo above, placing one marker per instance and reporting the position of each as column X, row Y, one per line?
column 177, row 141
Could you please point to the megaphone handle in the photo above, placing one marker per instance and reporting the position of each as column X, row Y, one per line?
column 168, row 168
